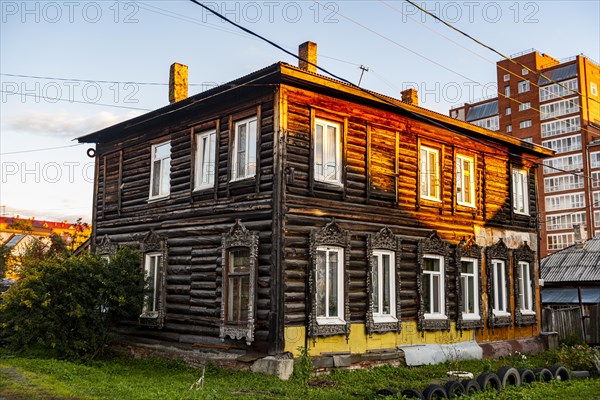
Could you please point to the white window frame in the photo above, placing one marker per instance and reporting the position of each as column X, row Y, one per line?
column 508, row 128
column 205, row 171
column 164, row 166
column 557, row 90
column 593, row 88
column 427, row 274
column 520, row 191
column 563, row 182
column 524, row 71
column 499, row 290
column 427, row 180
column 507, row 91
column 560, row 127
column 506, row 77
column 249, row 156
column 461, row 180
column 523, row 86
column 559, row 241
column 339, row 318
column 524, row 106
column 525, row 124
column 595, row 159
column 508, row 110
column 559, row 108
column 525, row 288
column 320, row 171
column 564, row 144
column 152, row 260
column 464, row 276
column 378, row 286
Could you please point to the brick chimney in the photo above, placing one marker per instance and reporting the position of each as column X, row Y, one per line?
column 178, row 82
column 410, row 96
column 307, row 51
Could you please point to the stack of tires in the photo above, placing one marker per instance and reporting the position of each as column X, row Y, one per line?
column 504, row 377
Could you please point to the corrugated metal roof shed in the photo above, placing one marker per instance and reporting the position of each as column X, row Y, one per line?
column 482, row 111
column 573, row 264
column 570, row 295
column 559, row 74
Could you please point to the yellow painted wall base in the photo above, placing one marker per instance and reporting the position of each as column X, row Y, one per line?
column 360, row 342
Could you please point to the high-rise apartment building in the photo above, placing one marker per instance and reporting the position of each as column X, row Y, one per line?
column 556, row 104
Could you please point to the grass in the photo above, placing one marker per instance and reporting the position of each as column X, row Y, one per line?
column 120, row 377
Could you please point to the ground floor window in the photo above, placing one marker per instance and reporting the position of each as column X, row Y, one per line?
column 384, row 286
column 330, row 285
column 433, row 286
column 238, row 286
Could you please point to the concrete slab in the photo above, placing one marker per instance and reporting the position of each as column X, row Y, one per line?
column 439, row 353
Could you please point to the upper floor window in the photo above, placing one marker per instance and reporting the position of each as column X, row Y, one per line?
column 561, row 89
column 160, row 170
column 430, row 173
column 525, row 124
column 508, row 111
column 594, row 88
column 465, row 180
column 328, row 152
column 507, row 91
column 520, row 191
column 523, row 86
column 525, row 106
column 204, row 176
column 506, row 77
column 508, row 128
column 524, row 71
column 384, row 286
column 244, row 149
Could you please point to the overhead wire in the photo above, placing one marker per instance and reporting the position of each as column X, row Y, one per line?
column 42, row 149
column 74, row 101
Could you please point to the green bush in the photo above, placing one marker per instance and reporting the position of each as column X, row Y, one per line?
column 67, row 304
column 578, row 357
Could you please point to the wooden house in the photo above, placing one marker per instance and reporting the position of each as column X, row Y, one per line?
column 286, row 209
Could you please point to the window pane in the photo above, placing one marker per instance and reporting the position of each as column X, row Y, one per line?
column 331, row 153
column 244, row 296
column 232, row 309
column 252, row 147
column 319, row 150
column 241, row 151
column 156, row 174
column 471, row 295
column 333, row 284
column 239, row 261
column 436, row 293
column 465, row 293
column 151, row 270
column 431, row 264
column 386, row 284
column 321, row 283
column 427, row 293
column 165, row 176
column 376, row 287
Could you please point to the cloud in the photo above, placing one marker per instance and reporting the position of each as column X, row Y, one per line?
column 65, row 125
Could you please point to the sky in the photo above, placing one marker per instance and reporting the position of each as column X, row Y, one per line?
column 69, row 68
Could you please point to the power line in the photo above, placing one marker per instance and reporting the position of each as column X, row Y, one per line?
column 38, row 150
column 75, row 101
column 487, row 46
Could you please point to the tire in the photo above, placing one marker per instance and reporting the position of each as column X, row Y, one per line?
column 527, row 375
column 489, row 380
column 560, row 373
column 434, row 391
column 412, row 394
column 471, row 386
column 509, row 376
column 454, row 388
column 543, row 374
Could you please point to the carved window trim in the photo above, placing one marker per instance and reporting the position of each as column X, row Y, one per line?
column 387, row 241
column 152, row 243
column 106, row 248
column 470, row 251
column 524, row 254
column 500, row 252
column 239, row 237
column 432, row 245
column 330, row 235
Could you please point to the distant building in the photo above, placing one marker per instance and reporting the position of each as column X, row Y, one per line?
column 557, row 106
column 19, row 233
